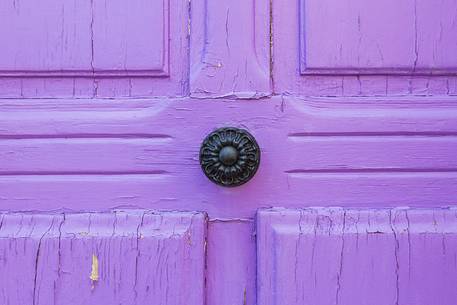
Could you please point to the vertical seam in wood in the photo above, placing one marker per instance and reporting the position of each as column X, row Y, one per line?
column 271, row 49
column 37, row 256
column 205, row 263
column 138, row 237
column 186, row 90
column 340, row 268
column 256, row 255
column 396, row 249
column 59, row 257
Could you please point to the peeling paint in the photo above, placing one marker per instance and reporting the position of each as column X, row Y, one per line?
column 94, row 275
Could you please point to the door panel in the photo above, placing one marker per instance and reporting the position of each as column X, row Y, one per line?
column 357, row 256
column 135, row 257
column 82, row 40
column 104, row 105
column 380, row 37
column 96, row 154
column 93, row 48
column 230, row 261
column 230, row 49
column 364, row 48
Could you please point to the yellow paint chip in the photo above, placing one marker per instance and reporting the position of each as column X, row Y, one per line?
column 94, row 276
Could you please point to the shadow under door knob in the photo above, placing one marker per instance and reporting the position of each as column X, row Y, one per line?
column 229, row 156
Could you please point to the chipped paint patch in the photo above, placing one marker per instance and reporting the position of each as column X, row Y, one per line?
column 94, row 275
column 244, row 296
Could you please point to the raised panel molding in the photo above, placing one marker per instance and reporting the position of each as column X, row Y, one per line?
column 378, row 37
column 99, row 154
column 230, row 48
column 306, row 48
column 324, row 256
column 122, row 257
column 85, row 38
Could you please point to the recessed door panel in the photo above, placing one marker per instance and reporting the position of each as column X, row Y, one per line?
column 135, row 257
column 356, row 256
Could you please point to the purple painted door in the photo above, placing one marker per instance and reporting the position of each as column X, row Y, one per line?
column 103, row 108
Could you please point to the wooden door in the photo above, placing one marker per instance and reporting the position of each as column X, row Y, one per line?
column 357, row 256
column 104, row 106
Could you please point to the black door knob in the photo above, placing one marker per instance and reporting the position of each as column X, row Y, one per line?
column 229, row 156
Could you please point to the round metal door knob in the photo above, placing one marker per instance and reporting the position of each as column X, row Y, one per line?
column 229, row 156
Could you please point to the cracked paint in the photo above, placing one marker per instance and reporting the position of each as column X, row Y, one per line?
column 94, row 275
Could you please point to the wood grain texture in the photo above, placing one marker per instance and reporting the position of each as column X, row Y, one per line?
column 124, row 257
column 231, row 257
column 103, row 107
column 357, row 256
column 230, row 53
column 94, row 48
column 85, row 38
column 98, row 155
column 362, row 48
column 371, row 37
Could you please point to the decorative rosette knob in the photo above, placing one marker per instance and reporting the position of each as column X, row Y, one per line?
column 229, row 156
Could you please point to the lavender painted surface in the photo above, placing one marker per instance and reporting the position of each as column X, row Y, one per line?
column 378, row 37
column 356, row 256
column 76, row 38
column 231, row 273
column 230, row 54
column 135, row 257
column 103, row 107
column 94, row 48
column 98, row 155
column 364, row 48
